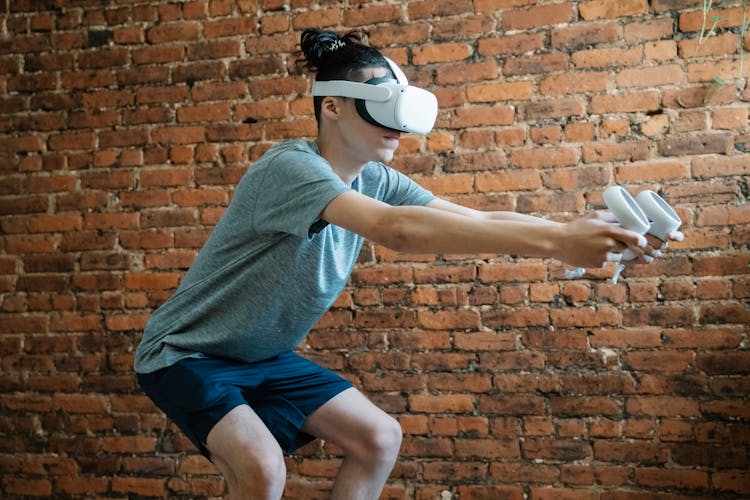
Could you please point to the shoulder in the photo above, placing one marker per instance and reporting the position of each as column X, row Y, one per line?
column 290, row 150
column 286, row 158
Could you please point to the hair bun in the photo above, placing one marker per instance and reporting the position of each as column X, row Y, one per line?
column 315, row 45
column 319, row 47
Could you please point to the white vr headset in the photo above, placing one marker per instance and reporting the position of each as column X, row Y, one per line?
column 386, row 102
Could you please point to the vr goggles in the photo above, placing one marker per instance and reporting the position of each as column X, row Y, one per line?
column 386, row 102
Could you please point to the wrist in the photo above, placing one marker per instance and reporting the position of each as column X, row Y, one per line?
column 554, row 240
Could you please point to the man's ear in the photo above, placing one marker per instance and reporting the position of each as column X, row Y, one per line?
column 331, row 107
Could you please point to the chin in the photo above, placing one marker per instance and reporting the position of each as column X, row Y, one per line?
column 385, row 157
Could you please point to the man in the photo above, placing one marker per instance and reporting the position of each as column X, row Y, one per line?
column 218, row 356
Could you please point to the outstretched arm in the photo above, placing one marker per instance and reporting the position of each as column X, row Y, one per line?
column 437, row 229
column 448, row 206
column 653, row 249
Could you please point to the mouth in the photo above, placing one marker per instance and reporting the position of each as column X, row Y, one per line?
column 393, row 136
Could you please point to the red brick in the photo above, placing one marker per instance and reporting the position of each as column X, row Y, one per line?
column 139, row 486
column 319, row 18
column 80, row 403
column 531, row 65
column 476, row 116
column 539, row 16
column 672, row 478
column 34, row 487
column 178, row 135
column 508, row 181
column 660, row 51
column 649, row 29
column 608, row 9
column 372, row 15
column 558, row 108
column 604, row 58
column 624, row 103
column 511, row 44
column 729, row 118
column 582, row 35
column 426, row 9
column 717, row 45
column 542, row 158
column 150, row 281
column 720, row 166
column 499, row 91
column 649, row 77
column 693, row 21
column 732, row 480
column 574, row 83
column 663, row 406
column 446, row 52
column 644, row 171
column 441, row 404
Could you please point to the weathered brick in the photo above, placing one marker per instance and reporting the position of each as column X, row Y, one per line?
column 607, row 9
column 623, row 103
column 445, row 52
column 534, row 17
column 574, row 83
column 695, row 144
column 579, row 36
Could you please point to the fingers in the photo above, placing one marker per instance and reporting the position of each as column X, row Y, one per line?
column 606, row 216
column 656, row 246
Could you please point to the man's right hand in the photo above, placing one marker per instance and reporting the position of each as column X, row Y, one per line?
column 589, row 240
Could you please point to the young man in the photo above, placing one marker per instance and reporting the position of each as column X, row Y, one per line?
column 218, row 356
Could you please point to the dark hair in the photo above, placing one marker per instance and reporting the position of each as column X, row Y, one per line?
column 336, row 57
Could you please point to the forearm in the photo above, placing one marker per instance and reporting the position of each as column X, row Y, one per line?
column 427, row 230
column 517, row 217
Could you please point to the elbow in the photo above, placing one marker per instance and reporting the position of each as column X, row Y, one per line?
column 395, row 231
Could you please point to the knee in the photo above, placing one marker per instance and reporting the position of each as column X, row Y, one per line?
column 260, row 479
column 383, row 440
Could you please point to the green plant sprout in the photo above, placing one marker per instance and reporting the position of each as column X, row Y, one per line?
column 703, row 36
column 743, row 30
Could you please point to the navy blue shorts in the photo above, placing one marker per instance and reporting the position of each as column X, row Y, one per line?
column 284, row 390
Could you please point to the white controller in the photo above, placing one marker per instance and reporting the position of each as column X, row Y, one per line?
column 646, row 213
column 664, row 220
column 628, row 214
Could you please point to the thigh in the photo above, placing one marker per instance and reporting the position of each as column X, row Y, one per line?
column 349, row 420
column 193, row 395
column 241, row 442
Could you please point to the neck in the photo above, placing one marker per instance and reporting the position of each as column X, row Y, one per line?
column 346, row 166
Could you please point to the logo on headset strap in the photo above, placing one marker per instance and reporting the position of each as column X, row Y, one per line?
column 336, row 45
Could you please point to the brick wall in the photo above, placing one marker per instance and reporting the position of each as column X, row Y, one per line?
column 126, row 124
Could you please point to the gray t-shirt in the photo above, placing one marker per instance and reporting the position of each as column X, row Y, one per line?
column 271, row 267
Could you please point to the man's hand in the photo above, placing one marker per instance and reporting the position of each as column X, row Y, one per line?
column 656, row 247
column 588, row 241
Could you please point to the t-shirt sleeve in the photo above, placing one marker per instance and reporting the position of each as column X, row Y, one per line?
column 296, row 188
column 401, row 190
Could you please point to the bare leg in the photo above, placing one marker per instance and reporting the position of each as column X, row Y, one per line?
column 247, row 455
column 369, row 437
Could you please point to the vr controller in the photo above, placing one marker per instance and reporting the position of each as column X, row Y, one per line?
column 646, row 213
